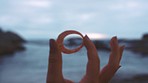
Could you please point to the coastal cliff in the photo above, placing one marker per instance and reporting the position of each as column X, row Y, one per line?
column 10, row 42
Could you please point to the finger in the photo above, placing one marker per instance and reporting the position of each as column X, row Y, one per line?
column 55, row 62
column 114, row 51
column 55, row 56
column 114, row 60
column 114, row 45
column 91, row 49
column 93, row 65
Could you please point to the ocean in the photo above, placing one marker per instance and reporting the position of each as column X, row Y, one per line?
column 30, row 66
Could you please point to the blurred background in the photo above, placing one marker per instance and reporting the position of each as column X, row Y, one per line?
column 27, row 25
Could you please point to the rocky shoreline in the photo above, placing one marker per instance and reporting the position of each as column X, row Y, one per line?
column 10, row 42
column 135, row 45
column 139, row 46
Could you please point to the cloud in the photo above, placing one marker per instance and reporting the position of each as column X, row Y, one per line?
column 91, row 15
column 126, row 5
column 37, row 3
column 8, row 20
column 41, row 20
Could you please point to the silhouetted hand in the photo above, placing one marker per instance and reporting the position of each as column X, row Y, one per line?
column 93, row 73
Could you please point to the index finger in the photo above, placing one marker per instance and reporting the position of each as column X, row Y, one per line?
column 91, row 49
column 93, row 65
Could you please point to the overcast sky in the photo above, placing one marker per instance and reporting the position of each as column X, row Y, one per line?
column 48, row 18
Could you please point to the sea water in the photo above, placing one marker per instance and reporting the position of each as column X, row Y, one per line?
column 30, row 66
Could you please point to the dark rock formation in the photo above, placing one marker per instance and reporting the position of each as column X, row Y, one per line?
column 145, row 36
column 139, row 46
column 73, row 41
column 135, row 45
column 100, row 45
column 10, row 42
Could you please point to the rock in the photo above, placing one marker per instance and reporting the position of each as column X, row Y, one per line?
column 73, row 41
column 101, row 45
column 10, row 42
column 139, row 46
column 145, row 36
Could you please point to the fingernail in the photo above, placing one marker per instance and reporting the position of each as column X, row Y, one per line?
column 115, row 37
column 86, row 37
column 52, row 45
column 51, row 42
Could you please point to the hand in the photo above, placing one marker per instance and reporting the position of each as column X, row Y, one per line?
column 93, row 74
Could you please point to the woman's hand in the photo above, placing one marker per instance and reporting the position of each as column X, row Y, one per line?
column 93, row 73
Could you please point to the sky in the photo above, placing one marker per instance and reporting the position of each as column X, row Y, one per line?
column 43, row 19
